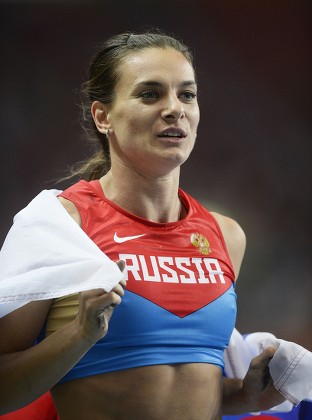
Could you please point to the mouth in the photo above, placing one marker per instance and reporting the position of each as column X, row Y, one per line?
column 173, row 134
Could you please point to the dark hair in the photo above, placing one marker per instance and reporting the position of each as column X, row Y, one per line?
column 100, row 86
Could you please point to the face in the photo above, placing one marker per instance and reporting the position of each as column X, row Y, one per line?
column 154, row 116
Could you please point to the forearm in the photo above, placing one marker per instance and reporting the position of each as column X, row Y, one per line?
column 26, row 375
column 235, row 401
column 255, row 393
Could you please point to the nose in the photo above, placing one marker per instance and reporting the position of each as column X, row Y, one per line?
column 173, row 108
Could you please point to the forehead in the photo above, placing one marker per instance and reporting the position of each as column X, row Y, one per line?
column 160, row 64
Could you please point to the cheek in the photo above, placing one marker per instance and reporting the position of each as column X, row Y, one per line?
column 133, row 120
column 122, row 124
column 130, row 129
column 195, row 117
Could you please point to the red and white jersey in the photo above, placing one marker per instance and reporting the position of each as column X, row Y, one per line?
column 180, row 303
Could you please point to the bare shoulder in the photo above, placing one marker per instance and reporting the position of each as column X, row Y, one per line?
column 231, row 229
column 71, row 209
column 235, row 239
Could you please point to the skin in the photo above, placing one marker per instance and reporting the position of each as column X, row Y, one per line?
column 144, row 180
column 141, row 160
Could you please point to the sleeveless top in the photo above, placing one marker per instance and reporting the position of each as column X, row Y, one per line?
column 179, row 305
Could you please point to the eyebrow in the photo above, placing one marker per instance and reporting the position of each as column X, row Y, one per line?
column 154, row 83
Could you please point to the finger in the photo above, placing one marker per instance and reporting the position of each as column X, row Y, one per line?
column 90, row 294
column 264, row 357
column 119, row 290
column 267, row 355
column 123, row 283
column 121, row 264
column 108, row 299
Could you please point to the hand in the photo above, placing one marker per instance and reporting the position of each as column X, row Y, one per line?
column 96, row 307
column 258, row 386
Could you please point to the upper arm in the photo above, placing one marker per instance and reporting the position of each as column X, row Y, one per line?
column 20, row 328
column 235, row 240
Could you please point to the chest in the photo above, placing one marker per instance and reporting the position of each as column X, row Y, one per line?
column 180, row 268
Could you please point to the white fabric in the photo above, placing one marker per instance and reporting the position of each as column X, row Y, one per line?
column 290, row 367
column 47, row 255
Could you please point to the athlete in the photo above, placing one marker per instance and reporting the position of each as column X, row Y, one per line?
column 153, row 347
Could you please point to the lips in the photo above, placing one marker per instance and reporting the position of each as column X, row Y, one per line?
column 177, row 133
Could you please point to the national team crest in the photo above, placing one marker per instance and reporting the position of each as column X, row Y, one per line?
column 201, row 242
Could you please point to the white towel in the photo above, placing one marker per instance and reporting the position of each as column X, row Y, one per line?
column 290, row 367
column 47, row 255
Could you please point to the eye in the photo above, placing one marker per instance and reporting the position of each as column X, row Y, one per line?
column 188, row 96
column 149, row 95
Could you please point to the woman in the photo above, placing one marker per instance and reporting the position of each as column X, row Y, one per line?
column 160, row 355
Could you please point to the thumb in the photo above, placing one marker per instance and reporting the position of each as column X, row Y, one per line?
column 269, row 352
column 121, row 264
column 264, row 358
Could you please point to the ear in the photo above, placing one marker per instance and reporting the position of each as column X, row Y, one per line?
column 100, row 116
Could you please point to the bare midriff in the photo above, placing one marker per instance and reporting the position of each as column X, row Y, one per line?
column 165, row 392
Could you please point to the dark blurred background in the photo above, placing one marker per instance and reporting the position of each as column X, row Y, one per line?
column 253, row 153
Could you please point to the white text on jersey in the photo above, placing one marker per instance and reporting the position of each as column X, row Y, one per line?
column 172, row 269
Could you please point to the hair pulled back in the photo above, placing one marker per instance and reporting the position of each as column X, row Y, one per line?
column 100, row 86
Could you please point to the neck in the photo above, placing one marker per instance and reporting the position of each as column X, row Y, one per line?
column 153, row 198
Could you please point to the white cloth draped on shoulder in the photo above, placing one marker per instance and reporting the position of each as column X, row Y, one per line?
column 47, row 255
